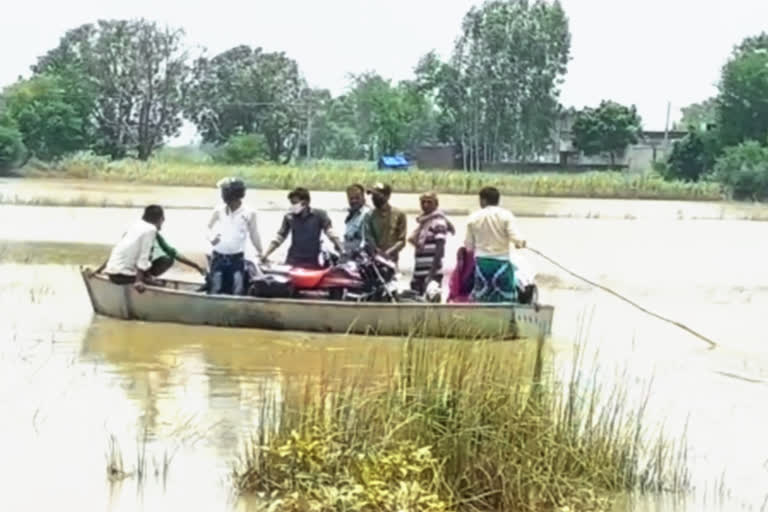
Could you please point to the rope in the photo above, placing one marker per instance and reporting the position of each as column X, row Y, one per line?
column 712, row 344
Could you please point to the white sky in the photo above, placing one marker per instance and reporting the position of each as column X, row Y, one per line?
column 646, row 53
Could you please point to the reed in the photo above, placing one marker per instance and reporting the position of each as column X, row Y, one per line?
column 457, row 427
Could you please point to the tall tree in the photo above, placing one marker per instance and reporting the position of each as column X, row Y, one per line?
column 505, row 74
column 698, row 115
column 52, row 114
column 742, row 105
column 609, row 128
column 136, row 71
column 247, row 90
column 391, row 117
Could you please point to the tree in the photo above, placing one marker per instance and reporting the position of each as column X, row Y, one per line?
column 247, row 90
column 699, row 115
column 742, row 105
column 136, row 72
column 504, row 77
column 12, row 148
column 743, row 169
column 242, row 149
column 609, row 128
column 52, row 116
column 693, row 156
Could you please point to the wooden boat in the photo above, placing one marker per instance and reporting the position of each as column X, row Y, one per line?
column 178, row 302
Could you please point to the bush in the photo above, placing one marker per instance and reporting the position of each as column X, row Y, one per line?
column 743, row 169
column 692, row 157
column 12, row 148
column 242, row 149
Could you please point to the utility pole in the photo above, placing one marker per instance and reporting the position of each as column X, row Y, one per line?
column 666, row 125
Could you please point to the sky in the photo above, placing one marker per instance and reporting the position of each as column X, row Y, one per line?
column 645, row 53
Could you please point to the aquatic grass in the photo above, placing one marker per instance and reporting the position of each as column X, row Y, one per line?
column 456, row 426
column 336, row 177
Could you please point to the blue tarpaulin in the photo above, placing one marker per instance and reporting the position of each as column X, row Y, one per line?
column 393, row 162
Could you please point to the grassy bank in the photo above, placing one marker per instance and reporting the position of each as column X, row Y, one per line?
column 455, row 428
column 589, row 185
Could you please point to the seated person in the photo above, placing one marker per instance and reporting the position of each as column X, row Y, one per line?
column 136, row 259
column 306, row 226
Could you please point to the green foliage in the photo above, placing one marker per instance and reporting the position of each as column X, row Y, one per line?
column 498, row 94
column 692, row 157
column 744, row 170
column 246, row 90
column 391, row 117
column 333, row 176
column 136, row 73
column 609, row 128
column 698, row 116
column 742, row 105
column 52, row 115
column 455, row 427
column 242, row 149
column 12, row 148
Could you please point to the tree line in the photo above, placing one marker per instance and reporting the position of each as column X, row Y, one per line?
column 122, row 88
column 727, row 138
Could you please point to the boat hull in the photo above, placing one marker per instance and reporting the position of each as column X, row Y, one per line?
column 177, row 302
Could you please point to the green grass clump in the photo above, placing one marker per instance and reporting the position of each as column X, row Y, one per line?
column 456, row 427
column 336, row 176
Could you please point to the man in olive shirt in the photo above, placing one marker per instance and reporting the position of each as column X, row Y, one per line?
column 385, row 226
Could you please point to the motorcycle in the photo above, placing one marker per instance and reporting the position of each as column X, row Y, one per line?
column 364, row 278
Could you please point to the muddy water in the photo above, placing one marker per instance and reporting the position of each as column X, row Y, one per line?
column 69, row 382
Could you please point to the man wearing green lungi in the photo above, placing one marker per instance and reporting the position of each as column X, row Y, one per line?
column 490, row 232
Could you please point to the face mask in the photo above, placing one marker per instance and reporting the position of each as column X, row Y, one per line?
column 297, row 208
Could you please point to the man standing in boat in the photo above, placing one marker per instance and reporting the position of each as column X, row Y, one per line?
column 354, row 224
column 490, row 232
column 306, row 226
column 385, row 226
column 428, row 240
column 142, row 253
column 230, row 226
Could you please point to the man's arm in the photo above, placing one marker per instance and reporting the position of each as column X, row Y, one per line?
column 331, row 234
column 469, row 238
column 253, row 230
column 369, row 241
column 282, row 234
column 514, row 233
column 440, row 237
column 212, row 237
column 167, row 249
column 400, row 234
column 437, row 260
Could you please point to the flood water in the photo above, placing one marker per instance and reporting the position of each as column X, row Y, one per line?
column 72, row 385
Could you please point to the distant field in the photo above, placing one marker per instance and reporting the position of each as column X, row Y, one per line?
column 334, row 176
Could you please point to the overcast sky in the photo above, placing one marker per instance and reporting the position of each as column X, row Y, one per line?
column 646, row 53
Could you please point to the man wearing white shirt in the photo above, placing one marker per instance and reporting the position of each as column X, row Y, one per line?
column 230, row 227
column 132, row 260
column 490, row 233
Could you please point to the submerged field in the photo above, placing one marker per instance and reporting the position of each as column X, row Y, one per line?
column 337, row 177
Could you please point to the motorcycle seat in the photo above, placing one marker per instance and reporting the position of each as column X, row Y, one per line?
column 307, row 279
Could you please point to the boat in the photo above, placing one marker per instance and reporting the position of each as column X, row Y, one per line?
column 178, row 301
